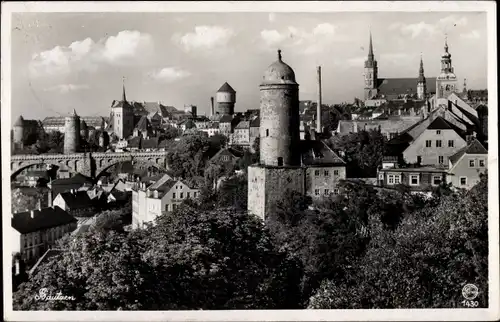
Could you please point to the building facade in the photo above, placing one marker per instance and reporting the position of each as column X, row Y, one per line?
column 467, row 165
column 151, row 200
column 33, row 232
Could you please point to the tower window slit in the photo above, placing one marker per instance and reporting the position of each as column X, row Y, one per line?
column 267, row 132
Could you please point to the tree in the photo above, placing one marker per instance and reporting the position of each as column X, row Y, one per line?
column 171, row 132
column 220, row 259
column 363, row 152
column 233, row 192
column 55, row 141
column 101, row 271
column 424, row 263
column 189, row 156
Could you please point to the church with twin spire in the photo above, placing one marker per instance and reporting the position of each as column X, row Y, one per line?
column 417, row 88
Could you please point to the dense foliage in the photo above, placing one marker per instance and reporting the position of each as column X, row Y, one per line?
column 363, row 248
column 363, row 152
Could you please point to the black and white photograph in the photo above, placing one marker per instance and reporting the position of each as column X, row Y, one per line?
column 216, row 161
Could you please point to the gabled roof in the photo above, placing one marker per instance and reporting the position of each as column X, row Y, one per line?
column 134, row 142
column 226, row 88
column 42, row 219
column 228, row 151
column 474, row 147
column 255, row 122
column 401, row 86
column 74, row 180
column 226, row 118
column 439, row 124
column 160, row 181
column 77, row 200
column 243, row 125
column 314, row 152
column 143, row 124
column 151, row 143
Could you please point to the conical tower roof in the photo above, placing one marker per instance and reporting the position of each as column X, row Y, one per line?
column 226, row 88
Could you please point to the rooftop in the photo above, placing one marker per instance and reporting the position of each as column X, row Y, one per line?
column 76, row 200
column 42, row 219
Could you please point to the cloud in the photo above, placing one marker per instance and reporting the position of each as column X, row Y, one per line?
column 169, row 74
column 452, row 21
column 414, row 30
column 473, row 34
column 66, row 88
column 205, row 38
column 318, row 39
column 87, row 55
column 422, row 28
column 272, row 17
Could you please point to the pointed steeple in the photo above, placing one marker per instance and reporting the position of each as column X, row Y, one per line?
column 124, row 97
column 370, row 49
column 421, row 76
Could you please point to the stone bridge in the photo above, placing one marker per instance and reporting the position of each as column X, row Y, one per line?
column 89, row 164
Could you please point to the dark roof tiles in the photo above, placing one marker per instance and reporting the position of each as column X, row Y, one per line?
column 42, row 219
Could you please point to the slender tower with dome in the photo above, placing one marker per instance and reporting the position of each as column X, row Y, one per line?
column 446, row 82
column 280, row 168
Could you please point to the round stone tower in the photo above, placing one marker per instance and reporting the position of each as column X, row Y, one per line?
column 226, row 98
column 18, row 130
column 279, row 116
column 71, row 133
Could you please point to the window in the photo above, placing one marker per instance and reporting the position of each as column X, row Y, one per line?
column 419, row 159
column 481, row 163
column 451, row 144
column 436, row 180
column 195, row 193
column 327, row 192
column 394, row 179
column 280, row 162
column 414, row 180
column 182, row 195
column 428, row 143
column 267, row 132
column 335, row 172
column 327, row 173
column 225, row 158
column 336, row 191
column 166, row 207
column 463, row 181
column 316, row 192
column 173, row 195
column 188, row 195
column 440, row 159
column 438, row 143
column 472, row 163
column 438, row 132
column 316, row 173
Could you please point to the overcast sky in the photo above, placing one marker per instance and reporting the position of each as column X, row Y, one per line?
column 62, row 61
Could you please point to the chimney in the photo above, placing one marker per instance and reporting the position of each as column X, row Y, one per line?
column 212, row 110
column 318, row 108
column 49, row 198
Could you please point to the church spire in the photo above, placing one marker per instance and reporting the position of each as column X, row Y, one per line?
column 421, row 76
column 124, row 98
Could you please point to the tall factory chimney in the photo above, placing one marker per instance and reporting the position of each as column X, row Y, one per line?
column 212, row 106
column 318, row 108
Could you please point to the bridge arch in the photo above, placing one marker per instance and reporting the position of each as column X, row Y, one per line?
column 18, row 167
